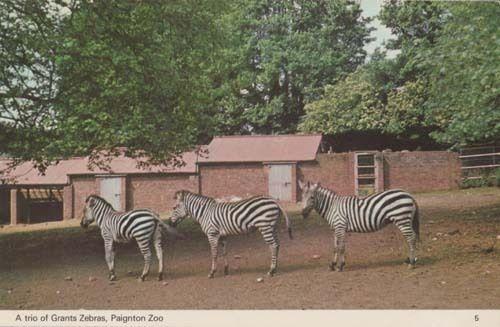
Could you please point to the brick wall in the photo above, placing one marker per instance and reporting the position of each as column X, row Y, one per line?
column 420, row 171
column 243, row 180
column 334, row 171
column 416, row 171
column 157, row 192
column 82, row 188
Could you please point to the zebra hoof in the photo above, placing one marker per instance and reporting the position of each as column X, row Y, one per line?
column 112, row 278
column 340, row 268
column 211, row 275
column 142, row 278
column 160, row 277
column 332, row 265
column 407, row 261
column 226, row 270
column 271, row 273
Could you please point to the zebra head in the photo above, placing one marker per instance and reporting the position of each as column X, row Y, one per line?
column 180, row 211
column 308, row 197
column 88, row 212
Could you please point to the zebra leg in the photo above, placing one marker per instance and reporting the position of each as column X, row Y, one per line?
column 110, row 258
column 335, row 254
column 145, row 247
column 159, row 252
column 411, row 238
column 213, row 240
column 223, row 241
column 341, row 250
column 271, row 237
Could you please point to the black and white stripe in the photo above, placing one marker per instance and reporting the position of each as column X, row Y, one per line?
column 353, row 214
column 220, row 219
column 142, row 225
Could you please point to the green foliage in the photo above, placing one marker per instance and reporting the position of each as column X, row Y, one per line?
column 464, row 75
column 281, row 54
column 482, row 181
column 29, row 38
column 352, row 104
column 497, row 177
column 136, row 75
column 444, row 83
column 101, row 75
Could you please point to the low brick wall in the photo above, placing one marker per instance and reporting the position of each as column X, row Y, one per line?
column 157, row 192
column 420, row 171
column 82, row 188
column 416, row 171
column 334, row 171
column 242, row 180
column 153, row 191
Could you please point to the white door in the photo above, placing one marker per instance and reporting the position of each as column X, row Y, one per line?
column 111, row 191
column 280, row 182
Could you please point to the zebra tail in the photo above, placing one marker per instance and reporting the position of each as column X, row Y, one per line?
column 416, row 222
column 287, row 220
column 167, row 228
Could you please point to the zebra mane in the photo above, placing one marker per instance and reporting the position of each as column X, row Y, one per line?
column 323, row 191
column 183, row 194
column 100, row 199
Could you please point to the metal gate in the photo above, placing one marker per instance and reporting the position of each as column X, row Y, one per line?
column 111, row 191
column 280, row 181
column 480, row 163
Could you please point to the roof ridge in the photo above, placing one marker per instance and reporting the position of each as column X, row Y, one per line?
column 267, row 135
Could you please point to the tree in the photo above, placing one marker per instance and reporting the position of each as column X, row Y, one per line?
column 281, row 55
column 444, row 83
column 29, row 38
column 464, row 75
column 350, row 104
column 113, row 74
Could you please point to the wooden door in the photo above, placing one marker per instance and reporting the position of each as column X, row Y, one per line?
column 280, row 181
column 111, row 191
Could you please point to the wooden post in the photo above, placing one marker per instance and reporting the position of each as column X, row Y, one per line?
column 123, row 193
column 28, row 206
column 13, row 206
column 294, row 183
column 379, row 172
column 68, row 202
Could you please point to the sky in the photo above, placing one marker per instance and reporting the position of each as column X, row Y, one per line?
column 371, row 8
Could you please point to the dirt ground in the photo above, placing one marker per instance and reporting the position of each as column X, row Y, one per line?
column 458, row 266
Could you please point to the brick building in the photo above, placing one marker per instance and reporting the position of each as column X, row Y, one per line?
column 232, row 166
column 65, row 186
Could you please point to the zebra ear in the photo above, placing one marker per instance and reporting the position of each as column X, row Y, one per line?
column 179, row 195
column 91, row 202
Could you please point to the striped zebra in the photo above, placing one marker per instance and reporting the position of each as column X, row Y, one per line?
column 220, row 219
column 353, row 214
column 140, row 225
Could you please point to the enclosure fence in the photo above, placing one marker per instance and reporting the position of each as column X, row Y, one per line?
column 480, row 162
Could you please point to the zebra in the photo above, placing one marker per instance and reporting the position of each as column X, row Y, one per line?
column 220, row 219
column 353, row 214
column 140, row 224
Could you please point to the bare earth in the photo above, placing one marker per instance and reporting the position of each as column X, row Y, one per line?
column 458, row 266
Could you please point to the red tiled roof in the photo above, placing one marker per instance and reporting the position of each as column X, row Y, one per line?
column 262, row 148
column 25, row 174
